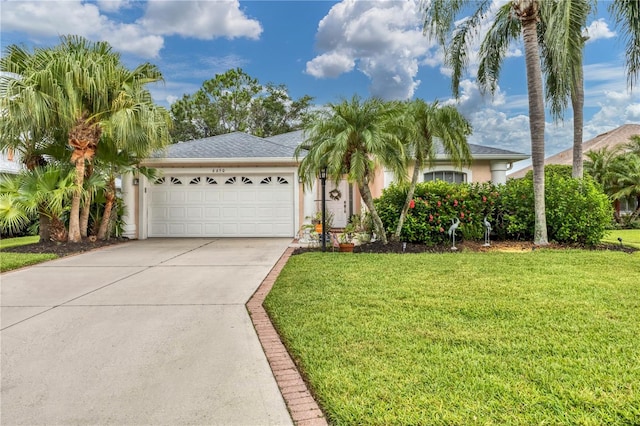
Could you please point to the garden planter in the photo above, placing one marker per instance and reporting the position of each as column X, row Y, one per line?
column 346, row 247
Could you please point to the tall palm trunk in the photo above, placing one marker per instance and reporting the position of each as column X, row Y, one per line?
column 528, row 14
column 365, row 193
column 577, row 103
column 83, row 138
column 410, row 192
column 44, row 230
column 74, row 215
column 85, row 209
column 110, row 196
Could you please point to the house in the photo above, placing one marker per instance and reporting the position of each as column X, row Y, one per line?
column 239, row 185
column 609, row 140
column 9, row 163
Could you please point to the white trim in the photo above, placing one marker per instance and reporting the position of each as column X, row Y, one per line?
column 206, row 161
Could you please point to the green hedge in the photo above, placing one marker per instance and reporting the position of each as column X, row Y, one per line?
column 577, row 210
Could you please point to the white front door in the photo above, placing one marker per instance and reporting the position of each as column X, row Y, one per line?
column 338, row 203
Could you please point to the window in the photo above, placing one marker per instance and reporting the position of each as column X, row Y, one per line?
column 266, row 180
column 175, row 181
column 195, row 181
column 231, row 180
column 282, row 181
column 446, row 175
column 211, row 181
column 159, row 181
column 246, row 180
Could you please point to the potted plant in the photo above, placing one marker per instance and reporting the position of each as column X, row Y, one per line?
column 345, row 239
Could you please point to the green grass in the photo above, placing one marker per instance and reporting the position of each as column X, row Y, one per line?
column 9, row 261
column 545, row 337
column 630, row 237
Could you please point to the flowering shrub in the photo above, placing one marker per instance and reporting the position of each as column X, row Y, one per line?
column 577, row 211
column 435, row 206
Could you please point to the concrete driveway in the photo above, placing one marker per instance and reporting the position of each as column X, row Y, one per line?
column 147, row 332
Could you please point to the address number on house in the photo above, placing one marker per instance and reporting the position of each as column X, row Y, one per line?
column 218, row 170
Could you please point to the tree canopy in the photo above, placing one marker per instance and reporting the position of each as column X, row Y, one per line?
column 234, row 101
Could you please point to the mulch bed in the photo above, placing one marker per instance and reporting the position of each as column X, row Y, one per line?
column 65, row 248
column 502, row 246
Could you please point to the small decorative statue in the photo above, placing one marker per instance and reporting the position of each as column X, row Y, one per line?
column 452, row 232
column 487, row 232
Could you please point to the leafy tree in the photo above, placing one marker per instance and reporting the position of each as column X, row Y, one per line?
column 81, row 88
column 234, row 101
column 424, row 126
column 352, row 138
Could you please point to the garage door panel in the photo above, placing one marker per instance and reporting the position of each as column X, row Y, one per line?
column 177, row 197
column 194, row 229
column 199, row 208
column 157, row 212
column 195, row 197
column 229, row 196
column 212, row 212
column 211, row 195
column 194, row 213
column 177, row 213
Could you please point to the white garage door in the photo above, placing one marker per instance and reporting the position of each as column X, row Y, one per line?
column 222, row 206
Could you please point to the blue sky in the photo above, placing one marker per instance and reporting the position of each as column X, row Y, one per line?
column 329, row 50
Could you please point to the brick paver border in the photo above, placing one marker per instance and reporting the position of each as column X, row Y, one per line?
column 302, row 406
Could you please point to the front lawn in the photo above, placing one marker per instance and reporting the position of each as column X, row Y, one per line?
column 9, row 261
column 544, row 337
column 630, row 237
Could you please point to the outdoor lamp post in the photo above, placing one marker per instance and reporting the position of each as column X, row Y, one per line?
column 323, row 181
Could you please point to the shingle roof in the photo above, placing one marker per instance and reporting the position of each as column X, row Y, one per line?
column 243, row 145
column 230, row 145
column 610, row 139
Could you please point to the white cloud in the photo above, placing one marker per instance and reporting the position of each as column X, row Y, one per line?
column 331, row 65
column 382, row 38
column 113, row 5
column 597, row 30
column 200, row 19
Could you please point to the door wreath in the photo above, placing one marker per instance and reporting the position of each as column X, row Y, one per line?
column 335, row 194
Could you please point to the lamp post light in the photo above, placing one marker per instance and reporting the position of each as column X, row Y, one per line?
column 323, row 181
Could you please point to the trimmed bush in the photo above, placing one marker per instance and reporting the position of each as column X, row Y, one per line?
column 577, row 210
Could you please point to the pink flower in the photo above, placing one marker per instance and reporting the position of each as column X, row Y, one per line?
column 430, row 218
column 441, row 229
column 484, row 199
column 461, row 215
column 412, row 204
column 439, row 203
column 455, row 203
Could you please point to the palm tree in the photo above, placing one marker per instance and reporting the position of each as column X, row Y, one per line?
column 626, row 172
column 439, row 20
column 83, row 88
column 353, row 138
column 45, row 190
column 627, row 16
column 600, row 165
column 562, row 46
column 426, row 125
